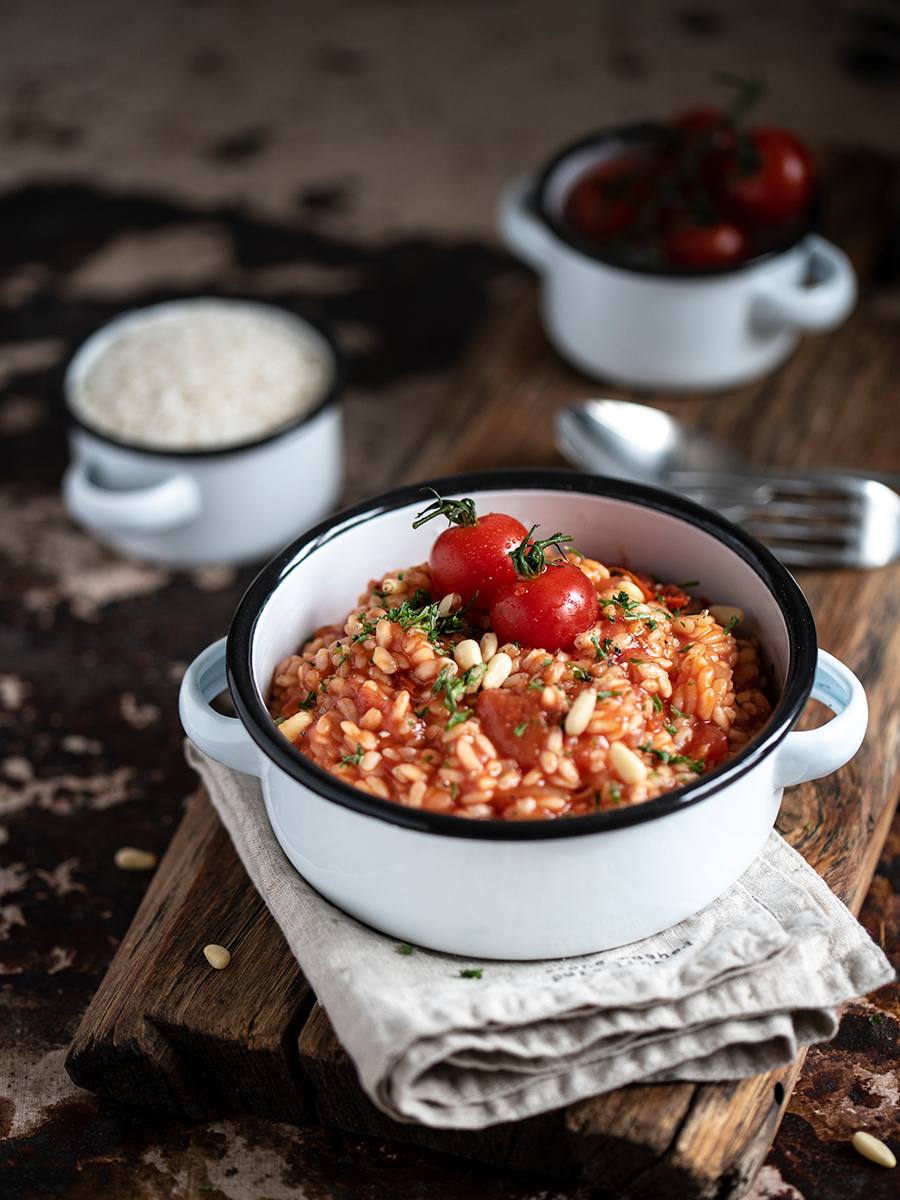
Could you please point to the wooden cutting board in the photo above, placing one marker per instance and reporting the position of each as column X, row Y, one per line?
column 166, row 1031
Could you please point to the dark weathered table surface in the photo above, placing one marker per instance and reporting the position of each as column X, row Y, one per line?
column 91, row 652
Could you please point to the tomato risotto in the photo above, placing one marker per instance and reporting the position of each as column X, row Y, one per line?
column 413, row 700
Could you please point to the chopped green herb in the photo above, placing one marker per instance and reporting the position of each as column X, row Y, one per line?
column 366, row 629
column 690, row 583
column 614, row 793
column 601, row 652
column 308, row 703
column 406, row 948
column 606, row 695
column 876, row 1019
column 582, row 674
column 546, row 662
column 694, row 764
column 637, row 660
column 676, row 712
column 400, row 575
column 335, row 920
column 807, row 827
column 472, row 973
column 520, row 728
column 353, row 759
column 454, row 790
column 652, row 625
column 684, row 649
column 657, row 704
column 731, row 624
column 535, row 685
column 280, row 720
column 454, row 688
column 626, row 603
column 323, row 686
column 670, row 729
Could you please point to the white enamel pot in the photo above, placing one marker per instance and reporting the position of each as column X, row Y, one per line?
column 195, row 508
column 540, row 889
column 669, row 328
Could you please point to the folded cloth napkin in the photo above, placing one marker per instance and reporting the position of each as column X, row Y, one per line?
column 730, row 992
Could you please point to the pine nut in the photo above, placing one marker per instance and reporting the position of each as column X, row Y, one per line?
column 467, row 654
column 489, row 645
column 722, row 613
column 498, row 669
column 129, row 858
column 579, row 715
column 217, row 956
column 391, row 586
column 449, row 602
column 874, row 1149
column 626, row 763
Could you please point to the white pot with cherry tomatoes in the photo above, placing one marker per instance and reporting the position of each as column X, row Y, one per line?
column 522, row 889
column 679, row 254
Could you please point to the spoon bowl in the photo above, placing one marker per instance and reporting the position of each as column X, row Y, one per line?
column 637, row 442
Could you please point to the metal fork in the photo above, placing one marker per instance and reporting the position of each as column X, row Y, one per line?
column 815, row 518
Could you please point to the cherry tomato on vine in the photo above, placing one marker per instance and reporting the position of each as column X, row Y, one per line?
column 547, row 604
column 472, row 556
column 779, row 186
column 713, row 245
column 605, row 203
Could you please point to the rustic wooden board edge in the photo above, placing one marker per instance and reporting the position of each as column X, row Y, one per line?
column 167, row 1031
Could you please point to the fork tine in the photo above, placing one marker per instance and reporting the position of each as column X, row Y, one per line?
column 822, row 556
column 827, row 533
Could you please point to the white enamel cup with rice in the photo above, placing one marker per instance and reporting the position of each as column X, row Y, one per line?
column 666, row 327
column 202, row 506
column 530, row 889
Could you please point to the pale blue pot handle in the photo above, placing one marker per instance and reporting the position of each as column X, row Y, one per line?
column 822, row 301
column 170, row 504
column 223, row 738
column 813, row 753
column 520, row 230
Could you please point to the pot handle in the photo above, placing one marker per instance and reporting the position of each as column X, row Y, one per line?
column 812, row 753
column 822, row 302
column 223, row 738
column 162, row 506
column 519, row 229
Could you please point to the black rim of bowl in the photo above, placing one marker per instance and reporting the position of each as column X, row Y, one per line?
column 639, row 134
column 308, row 316
column 797, row 686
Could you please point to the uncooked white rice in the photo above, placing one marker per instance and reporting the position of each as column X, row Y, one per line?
column 202, row 376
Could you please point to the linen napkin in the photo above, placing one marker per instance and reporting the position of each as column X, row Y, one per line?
column 730, row 992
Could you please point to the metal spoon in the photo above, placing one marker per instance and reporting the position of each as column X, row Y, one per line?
column 808, row 518
column 637, row 442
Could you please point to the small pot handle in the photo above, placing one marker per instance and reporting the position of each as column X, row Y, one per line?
column 818, row 305
column 165, row 505
column 520, row 230
column 813, row 753
column 223, row 738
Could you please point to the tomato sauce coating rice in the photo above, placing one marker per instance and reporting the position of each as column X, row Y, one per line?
column 407, row 701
